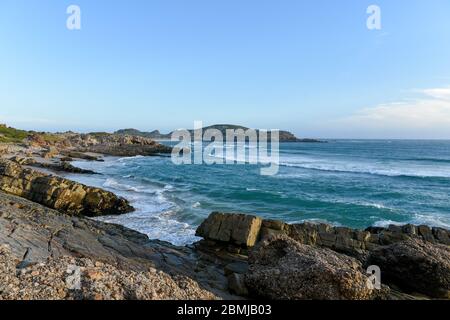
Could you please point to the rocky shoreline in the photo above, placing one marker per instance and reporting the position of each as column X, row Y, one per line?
column 45, row 230
column 240, row 257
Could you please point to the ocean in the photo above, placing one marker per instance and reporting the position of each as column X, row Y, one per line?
column 354, row 183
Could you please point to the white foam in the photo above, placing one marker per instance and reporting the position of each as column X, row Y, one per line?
column 431, row 220
column 392, row 169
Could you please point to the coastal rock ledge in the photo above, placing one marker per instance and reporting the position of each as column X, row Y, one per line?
column 276, row 260
column 58, row 193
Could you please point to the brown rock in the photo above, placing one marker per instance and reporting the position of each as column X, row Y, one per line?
column 51, row 152
column 58, row 193
column 239, row 229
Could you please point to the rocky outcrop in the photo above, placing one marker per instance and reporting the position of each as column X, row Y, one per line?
column 57, row 166
column 116, row 145
column 238, row 229
column 58, row 193
column 241, row 229
column 62, row 166
column 38, row 235
column 281, row 268
column 364, row 247
column 80, row 155
column 416, row 265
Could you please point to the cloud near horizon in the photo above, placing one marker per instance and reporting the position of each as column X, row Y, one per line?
column 427, row 117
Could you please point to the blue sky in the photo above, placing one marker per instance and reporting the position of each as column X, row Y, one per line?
column 311, row 67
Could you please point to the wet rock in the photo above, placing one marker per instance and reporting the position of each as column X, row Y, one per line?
column 69, row 155
column 281, row 268
column 236, row 284
column 239, row 229
column 62, row 166
column 236, row 267
column 415, row 265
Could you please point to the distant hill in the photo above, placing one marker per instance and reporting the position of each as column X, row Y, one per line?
column 155, row 134
column 285, row 136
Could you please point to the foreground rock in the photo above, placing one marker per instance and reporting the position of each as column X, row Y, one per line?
column 234, row 237
column 98, row 281
column 38, row 235
column 416, row 265
column 59, row 193
column 281, row 268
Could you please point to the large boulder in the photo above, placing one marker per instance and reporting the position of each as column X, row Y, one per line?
column 415, row 265
column 282, row 268
column 58, row 193
column 237, row 229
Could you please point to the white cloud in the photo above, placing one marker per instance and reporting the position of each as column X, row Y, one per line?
column 428, row 116
column 438, row 93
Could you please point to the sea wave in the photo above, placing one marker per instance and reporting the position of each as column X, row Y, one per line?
column 437, row 160
column 428, row 220
column 340, row 168
column 114, row 184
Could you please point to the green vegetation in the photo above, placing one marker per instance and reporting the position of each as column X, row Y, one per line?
column 11, row 135
column 99, row 134
column 50, row 137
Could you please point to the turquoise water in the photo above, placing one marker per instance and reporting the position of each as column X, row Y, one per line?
column 354, row 183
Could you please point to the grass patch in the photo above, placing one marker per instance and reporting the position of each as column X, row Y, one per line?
column 11, row 135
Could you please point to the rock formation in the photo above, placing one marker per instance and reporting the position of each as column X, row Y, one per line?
column 329, row 261
column 42, row 242
column 281, row 268
column 58, row 193
column 416, row 265
column 60, row 166
column 115, row 145
column 238, row 229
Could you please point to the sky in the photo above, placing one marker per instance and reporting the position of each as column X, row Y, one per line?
column 311, row 67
